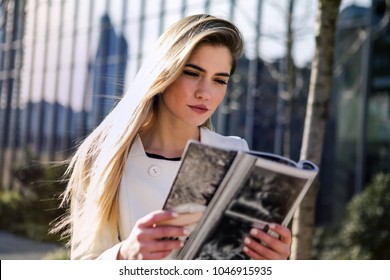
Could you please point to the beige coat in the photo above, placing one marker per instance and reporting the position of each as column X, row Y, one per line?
column 144, row 187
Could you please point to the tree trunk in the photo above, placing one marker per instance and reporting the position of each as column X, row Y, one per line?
column 315, row 122
column 290, row 81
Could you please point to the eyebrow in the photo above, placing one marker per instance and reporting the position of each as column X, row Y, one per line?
column 203, row 70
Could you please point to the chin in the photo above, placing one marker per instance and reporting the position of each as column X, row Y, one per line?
column 196, row 123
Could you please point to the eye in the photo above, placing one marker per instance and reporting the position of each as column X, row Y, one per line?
column 190, row 73
column 221, row 82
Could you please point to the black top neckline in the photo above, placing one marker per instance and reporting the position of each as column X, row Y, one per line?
column 162, row 157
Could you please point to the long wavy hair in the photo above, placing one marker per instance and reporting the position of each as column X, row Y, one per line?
column 95, row 170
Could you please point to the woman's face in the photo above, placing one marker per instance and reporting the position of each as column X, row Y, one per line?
column 200, row 88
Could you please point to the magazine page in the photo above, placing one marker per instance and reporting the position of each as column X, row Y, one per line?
column 302, row 164
column 270, row 193
column 274, row 157
column 202, row 169
column 201, row 172
column 230, row 185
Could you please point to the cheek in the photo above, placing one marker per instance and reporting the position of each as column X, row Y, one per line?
column 171, row 93
column 170, row 99
column 178, row 89
column 175, row 97
column 218, row 98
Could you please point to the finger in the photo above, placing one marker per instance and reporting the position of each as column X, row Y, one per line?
column 274, row 244
column 156, row 217
column 158, row 249
column 283, row 232
column 183, row 219
column 155, row 255
column 260, row 250
column 252, row 254
column 162, row 245
column 162, row 232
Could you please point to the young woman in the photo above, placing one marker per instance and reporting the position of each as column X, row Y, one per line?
column 122, row 173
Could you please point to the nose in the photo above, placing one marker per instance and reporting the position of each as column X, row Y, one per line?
column 204, row 90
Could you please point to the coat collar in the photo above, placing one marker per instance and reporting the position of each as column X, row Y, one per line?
column 137, row 148
column 206, row 137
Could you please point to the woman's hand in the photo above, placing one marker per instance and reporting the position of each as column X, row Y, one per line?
column 147, row 241
column 263, row 246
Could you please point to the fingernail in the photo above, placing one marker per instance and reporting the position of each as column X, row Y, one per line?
column 181, row 244
column 254, row 231
column 245, row 249
column 247, row 240
column 272, row 226
column 174, row 214
column 186, row 231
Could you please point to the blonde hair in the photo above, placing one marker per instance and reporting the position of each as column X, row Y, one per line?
column 96, row 168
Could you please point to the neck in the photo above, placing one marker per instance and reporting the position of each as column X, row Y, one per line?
column 168, row 141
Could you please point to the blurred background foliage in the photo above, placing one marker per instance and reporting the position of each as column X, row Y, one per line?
column 365, row 232
column 30, row 210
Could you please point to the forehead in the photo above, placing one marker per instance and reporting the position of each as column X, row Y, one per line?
column 212, row 56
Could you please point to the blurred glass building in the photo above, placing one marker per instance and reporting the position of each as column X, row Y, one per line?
column 64, row 64
column 357, row 145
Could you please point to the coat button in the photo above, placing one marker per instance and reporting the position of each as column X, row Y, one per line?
column 154, row 171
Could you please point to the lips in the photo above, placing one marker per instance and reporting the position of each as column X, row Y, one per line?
column 201, row 109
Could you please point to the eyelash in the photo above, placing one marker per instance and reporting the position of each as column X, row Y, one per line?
column 190, row 73
column 222, row 82
column 193, row 74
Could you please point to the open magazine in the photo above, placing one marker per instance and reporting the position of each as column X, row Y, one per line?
column 223, row 193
